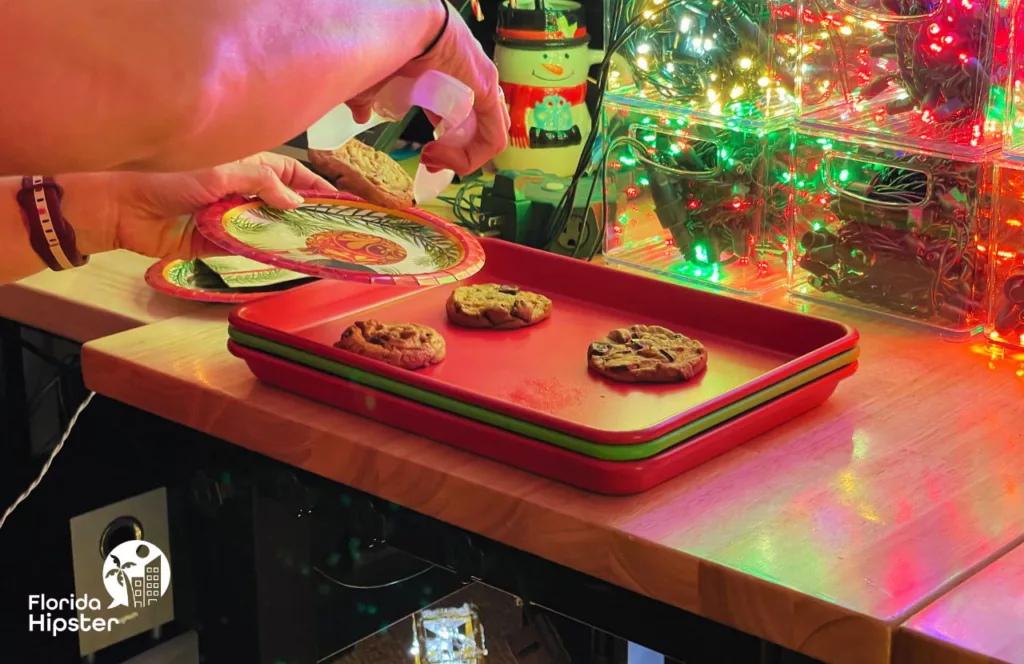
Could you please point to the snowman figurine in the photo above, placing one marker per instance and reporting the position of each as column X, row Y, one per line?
column 543, row 62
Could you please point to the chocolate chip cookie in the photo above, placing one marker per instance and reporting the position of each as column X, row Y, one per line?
column 367, row 173
column 496, row 307
column 404, row 345
column 647, row 354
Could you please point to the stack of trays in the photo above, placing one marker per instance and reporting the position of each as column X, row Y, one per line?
column 526, row 397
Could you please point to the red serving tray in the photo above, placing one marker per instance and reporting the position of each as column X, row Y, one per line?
column 608, row 477
column 539, row 374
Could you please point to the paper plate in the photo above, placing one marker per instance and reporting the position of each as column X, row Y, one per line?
column 338, row 236
column 177, row 278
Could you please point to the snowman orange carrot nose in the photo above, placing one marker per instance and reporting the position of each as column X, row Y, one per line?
column 557, row 70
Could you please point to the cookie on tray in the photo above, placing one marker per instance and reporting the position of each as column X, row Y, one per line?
column 405, row 345
column 496, row 307
column 367, row 173
column 647, row 354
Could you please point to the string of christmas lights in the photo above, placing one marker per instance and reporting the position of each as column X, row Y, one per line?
column 896, row 230
column 620, row 32
column 1006, row 316
column 721, row 195
column 724, row 57
column 940, row 60
column 1013, row 135
column 900, row 237
column 938, row 64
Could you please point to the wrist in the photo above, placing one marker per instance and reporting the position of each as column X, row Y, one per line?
column 439, row 13
column 91, row 205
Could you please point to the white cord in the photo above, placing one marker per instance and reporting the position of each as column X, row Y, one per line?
column 374, row 587
column 46, row 466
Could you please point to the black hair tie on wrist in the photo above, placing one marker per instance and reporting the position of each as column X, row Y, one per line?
column 440, row 33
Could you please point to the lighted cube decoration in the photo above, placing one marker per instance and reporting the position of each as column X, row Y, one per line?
column 451, row 635
column 1006, row 253
column 890, row 230
column 714, row 59
column 922, row 73
column 699, row 201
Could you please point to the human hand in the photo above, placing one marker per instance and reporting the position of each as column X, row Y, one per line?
column 153, row 210
column 460, row 55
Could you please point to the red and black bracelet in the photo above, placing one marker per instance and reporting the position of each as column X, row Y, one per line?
column 51, row 236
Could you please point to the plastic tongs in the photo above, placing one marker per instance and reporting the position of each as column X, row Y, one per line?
column 439, row 93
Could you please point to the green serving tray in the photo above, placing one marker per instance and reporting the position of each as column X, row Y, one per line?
column 599, row 451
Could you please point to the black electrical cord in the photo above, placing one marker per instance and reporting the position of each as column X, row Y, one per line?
column 560, row 216
column 563, row 211
column 466, row 206
column 619, row 38
column 640, row 152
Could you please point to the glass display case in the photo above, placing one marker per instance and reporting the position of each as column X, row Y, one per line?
column 700, row 201
column 480, row 624
column 1013, row 132
column 891, row 230
column 926, row 73
column 715, row 59
column 1006, row 309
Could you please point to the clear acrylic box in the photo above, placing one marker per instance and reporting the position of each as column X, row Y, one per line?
column 924, row 73
column 1006, row 308
column 698, row 202
column 1013, row 132
column 720, row 60
column 893, row 231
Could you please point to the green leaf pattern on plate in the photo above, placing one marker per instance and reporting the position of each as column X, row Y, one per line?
column 255, row 226
column 239, row 272
column 240, row 225
column 182, row 274
column 259, row 278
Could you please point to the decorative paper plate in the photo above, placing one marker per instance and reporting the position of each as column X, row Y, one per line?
column 338, row 236
column 181, row 279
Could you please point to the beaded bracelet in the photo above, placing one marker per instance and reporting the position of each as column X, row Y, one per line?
column 51, row 236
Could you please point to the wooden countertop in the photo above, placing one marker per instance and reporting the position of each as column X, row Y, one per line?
column 978, row 622
column 823, row 535
column 105, row 297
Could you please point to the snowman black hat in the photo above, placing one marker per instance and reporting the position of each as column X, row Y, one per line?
column 542, row 24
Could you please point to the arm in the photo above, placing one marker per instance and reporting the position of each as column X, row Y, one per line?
column 148, row 213
column 181, row 84
column 86, row 197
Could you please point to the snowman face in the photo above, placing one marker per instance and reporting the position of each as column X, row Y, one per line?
column 552, row 68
